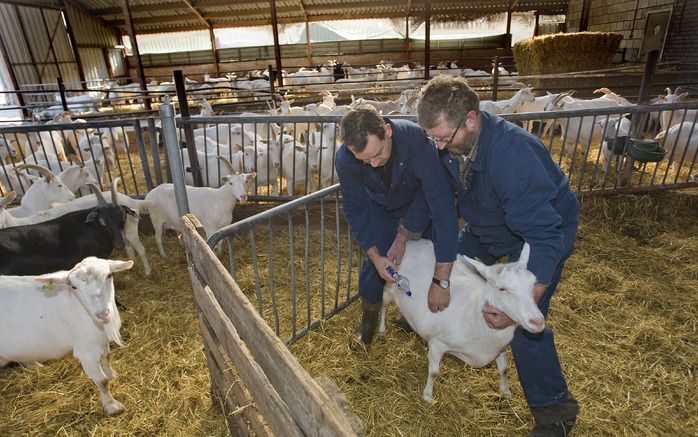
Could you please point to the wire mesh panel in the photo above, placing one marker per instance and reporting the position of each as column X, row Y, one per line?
column 297, row 263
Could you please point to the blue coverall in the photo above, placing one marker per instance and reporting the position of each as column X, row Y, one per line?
column 515, row 193
column 377, row 200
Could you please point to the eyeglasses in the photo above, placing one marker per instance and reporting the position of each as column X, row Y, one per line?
column 450, row 140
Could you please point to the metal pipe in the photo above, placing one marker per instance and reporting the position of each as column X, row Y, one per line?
column 169, row 132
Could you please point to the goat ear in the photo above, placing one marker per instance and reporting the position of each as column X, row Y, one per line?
column 50, row 279
column 117, row 266
column 481, row 268
column 525, row 253
column 91, row 217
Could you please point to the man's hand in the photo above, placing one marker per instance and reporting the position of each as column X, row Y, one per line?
column 495, row 318
column 380, row 263
column 397, row 250
column 439, row 298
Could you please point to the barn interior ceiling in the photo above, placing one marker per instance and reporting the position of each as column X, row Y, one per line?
column 158, row 16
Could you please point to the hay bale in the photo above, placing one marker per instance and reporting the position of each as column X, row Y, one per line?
column 565, row 52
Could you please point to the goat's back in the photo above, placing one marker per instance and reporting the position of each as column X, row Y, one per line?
column 60, row 243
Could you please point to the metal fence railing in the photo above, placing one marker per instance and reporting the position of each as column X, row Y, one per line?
column 108, row 148
column 296, row 262
column 281, row 257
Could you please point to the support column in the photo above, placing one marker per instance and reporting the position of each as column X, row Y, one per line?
column 277, row 49
column 214, row 51
column 584, row 20
column 136, row 54
column 74, row 46
column 427, row 36
column 507, row 43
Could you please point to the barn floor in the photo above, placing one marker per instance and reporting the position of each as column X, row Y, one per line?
column 624, row 318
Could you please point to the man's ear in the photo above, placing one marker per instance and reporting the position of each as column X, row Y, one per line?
column 388, row 130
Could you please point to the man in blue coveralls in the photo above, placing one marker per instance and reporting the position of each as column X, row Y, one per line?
column 391, row 177
column 509, row 190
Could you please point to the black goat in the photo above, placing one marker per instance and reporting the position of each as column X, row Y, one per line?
column 61, row 243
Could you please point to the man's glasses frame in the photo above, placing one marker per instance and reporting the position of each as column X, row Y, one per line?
column 450, row 140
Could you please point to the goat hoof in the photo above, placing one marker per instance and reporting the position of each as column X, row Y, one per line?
column 113, row 408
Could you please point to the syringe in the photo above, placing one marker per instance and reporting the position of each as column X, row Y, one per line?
column 403, row 284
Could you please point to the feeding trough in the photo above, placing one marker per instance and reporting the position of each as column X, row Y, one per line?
column 616, row 145
column 645, row 150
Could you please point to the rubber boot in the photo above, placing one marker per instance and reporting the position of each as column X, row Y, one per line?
column 369, row 321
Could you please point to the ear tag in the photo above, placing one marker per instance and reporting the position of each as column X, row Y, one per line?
column 48, row 286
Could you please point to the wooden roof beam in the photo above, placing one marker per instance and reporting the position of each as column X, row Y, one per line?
column 198, row 14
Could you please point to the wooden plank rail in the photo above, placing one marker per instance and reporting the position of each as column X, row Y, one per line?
column 291, row 401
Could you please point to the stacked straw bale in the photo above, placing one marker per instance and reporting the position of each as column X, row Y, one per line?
column 565, row 52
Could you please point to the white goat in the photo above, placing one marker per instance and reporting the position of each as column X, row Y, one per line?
column 212, row 206
column 294, row 165
column 43, row 193
column 15, row 180
column 507, row 106
column 323, row 148
column 382, row 107
column 581, row 130
column 672, row 118
column 7, row 151
column 74, row 311
column 461, row 329
column 681, row 142
column 214, row 167
column 611, row 128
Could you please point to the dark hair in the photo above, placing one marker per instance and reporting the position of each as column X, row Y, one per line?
column 448, row 97
column 358, row 123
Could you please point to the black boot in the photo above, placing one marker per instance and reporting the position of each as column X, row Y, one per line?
column 555, row 420
column 369, row 321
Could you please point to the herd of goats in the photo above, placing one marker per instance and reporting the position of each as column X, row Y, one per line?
column 55, row 243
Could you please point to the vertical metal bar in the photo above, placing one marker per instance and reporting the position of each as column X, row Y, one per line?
column 144, row 157
column 61, row 92
column 647, row 76
column 214, row 51
column 172, row 147
column 292, row 264
column 50, row 37
column 427, row 37
column 271, row 80
column 74, row 47
column 322, row 258
column 195, row 167
column 255, row 266
column 495, row 77
column 154, row 150
column 126, row 10
column 272, row 291
column 337, row 234
column 277, row 48
column 584, row 19
column 306, row 258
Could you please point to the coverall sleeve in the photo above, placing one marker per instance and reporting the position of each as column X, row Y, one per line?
column 526, row 194
column 354, row 198
column 437, row 204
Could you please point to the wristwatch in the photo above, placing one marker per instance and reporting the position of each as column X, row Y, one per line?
column 443, row 283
